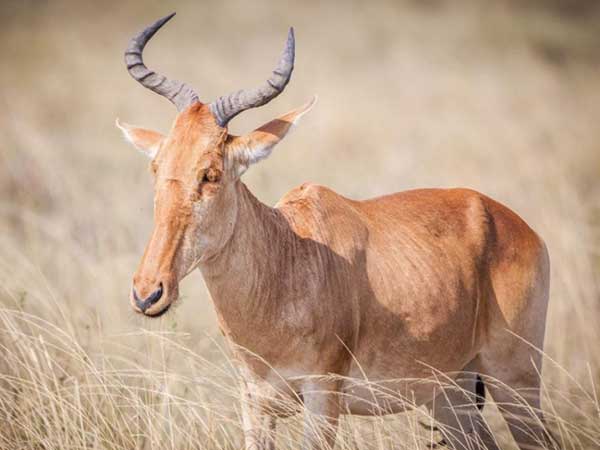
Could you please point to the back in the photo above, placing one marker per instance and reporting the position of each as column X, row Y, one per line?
column 419, row 264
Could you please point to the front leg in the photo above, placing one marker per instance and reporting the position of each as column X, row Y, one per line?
column 258, row 425
column 321, row 413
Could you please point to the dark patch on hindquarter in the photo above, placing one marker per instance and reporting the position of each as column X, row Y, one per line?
column 480, row 393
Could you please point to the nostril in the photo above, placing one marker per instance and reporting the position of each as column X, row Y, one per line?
column 156, row 295
column 151, row 300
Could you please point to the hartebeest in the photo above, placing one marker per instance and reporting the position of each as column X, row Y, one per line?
column 322, row 290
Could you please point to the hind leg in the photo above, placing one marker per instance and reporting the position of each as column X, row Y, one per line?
column 457, row 409
column 515, row 387
column 512, row 356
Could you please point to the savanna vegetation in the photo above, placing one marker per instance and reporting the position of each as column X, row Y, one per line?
column 502, row 97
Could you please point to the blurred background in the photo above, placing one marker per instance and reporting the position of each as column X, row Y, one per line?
column 502, row 97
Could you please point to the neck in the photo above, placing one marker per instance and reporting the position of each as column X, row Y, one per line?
column 249, row 264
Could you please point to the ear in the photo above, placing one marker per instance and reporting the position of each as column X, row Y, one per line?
column 147, row 141
column 257, row 145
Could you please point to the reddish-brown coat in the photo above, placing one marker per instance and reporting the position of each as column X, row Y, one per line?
column 395, row 287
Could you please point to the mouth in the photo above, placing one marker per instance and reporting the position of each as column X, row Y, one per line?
column 160, row 313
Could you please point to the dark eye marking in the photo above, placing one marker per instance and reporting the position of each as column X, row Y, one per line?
column 211, row 176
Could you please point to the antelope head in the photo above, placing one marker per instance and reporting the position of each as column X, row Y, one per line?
column 196, row 167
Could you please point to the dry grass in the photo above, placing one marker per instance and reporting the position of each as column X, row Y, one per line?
column 500, row 97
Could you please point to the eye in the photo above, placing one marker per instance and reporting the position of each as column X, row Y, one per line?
column 209, row 179
column 211, row 176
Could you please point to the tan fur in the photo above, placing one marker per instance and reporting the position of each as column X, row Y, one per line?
column 396, row 287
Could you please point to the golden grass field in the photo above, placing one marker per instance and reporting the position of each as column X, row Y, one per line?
column 502, row 97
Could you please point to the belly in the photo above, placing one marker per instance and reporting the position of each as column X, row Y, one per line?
column 399, row 352
column 408, row 341
column 404, row 374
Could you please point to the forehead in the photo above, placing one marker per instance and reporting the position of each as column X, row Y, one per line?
column 194, row 143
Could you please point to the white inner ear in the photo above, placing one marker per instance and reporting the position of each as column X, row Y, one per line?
column 260, row 151
column 251, row 153
column 241, row 160
column 150, row 152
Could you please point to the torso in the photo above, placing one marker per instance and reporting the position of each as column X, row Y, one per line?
column 387, row 289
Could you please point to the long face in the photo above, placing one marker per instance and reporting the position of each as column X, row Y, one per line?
column 196, row 168
column 190, row 186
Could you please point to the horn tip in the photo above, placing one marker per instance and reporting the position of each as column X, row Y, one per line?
column 168, row 17
column 160, row 22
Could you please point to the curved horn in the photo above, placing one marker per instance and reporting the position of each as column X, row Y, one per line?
column 180, row 94
column 227, row 107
